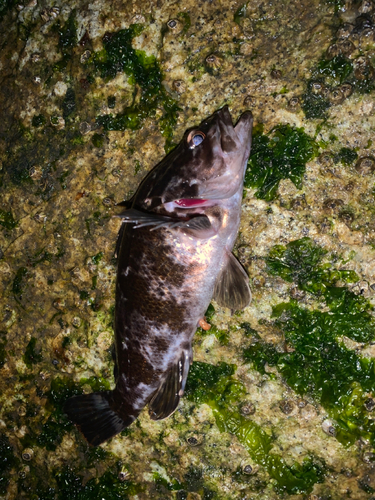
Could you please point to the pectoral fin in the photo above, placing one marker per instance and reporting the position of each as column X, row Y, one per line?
column 232, row 285
column 166, row 398
column 142, row 219
column 199, row 226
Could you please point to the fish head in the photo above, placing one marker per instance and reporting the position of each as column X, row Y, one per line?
column 209, row 164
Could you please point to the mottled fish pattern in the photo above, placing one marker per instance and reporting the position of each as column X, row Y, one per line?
column 174, row 256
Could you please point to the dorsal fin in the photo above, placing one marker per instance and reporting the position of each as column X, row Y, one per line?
column 232, row 285
column 166, row 398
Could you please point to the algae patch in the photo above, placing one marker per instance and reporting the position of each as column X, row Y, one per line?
column 145, row 75
column 216, row 386
column 281, row 154
column 317, row 362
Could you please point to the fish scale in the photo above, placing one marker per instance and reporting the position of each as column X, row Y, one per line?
column 174, row 256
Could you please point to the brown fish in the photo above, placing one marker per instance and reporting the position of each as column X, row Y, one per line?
column 174, row 256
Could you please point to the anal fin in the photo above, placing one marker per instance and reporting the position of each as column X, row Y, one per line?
column 165, row 400
column 232, row 285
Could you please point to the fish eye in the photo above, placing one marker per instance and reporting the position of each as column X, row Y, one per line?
column 195, row 138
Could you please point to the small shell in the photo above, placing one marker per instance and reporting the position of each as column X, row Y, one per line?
column 365, row 165
column 54, row 12
column 346, row 89
column 332, row 204
column 259, row 281
column 294, row 103
column 58, row 122
column 44, row 15
column 296, row 294
column 124, row 475
column 346, row 47
column 362, row 288
column 325, row 159
column 21, row 411
column 248, row 408
column 84, row 128
column 336, row 96
column 366, row 6
column 213, row 61
column 35, row 58
column 59, row 304
column 35, row 173
column 194, row 439
column 363, row 69
column 249, row 468
column 249, row 101
column 37, row 80
column 276, row 73
column 345, row 30
column 138, row 19
column 317, row 88
column 85, row 56
column 368, row 457
column 27, row 454
column 107, row 202
column 179, row 86
column 328, row 427
column 40, row 217
column 286, row 406
column 346, row 216
column 175, row 26
column 76, row 322
column 333, row 51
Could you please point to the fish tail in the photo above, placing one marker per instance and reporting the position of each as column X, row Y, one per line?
column 96, row 416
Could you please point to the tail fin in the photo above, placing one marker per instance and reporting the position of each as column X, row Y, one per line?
column 94, row 416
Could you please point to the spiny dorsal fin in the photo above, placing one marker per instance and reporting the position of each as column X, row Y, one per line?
column 232, row 285
column 166, row 398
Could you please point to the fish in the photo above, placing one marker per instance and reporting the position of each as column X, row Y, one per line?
column 174, row 255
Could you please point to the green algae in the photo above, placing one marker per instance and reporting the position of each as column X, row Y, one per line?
column 118, row 55
column 32, row 356
column 185, row 18
column 38, row 120
column 301, row 262
column 108, row 486
column 6, row 6
column 7, row 462
column 69, row 103
column 68, row 34
column 7, row 220
column 318, row 363
column 68, row 482
column 3, row 343
column 19, row 281
column 314, row 105
column 221, row 335
column 335, row 71
column 346, row 156
column 330, row 74
column 240, row 13
column 281, row 154
column 98, row 140
column 215, row 386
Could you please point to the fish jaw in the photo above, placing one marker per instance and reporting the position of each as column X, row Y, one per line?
column 211, row 170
